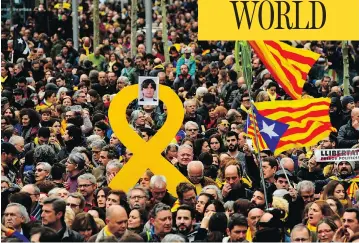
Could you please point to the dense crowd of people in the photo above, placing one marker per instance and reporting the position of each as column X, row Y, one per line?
column 59, row 153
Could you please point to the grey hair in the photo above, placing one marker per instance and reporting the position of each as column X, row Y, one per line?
column 46, row 165
column 158, row 181
column 98, row 144
column 190, row 123
column 44, row 153
column 90, row 139
column 62, row 89
column 78, row 150
column 134, row 115
column 140, row 188
column 22, row 211
column 228, row 205
column 15, row 139
column 76, row 158
column 124, row 79
column 186, row 103
column 114, row 163
column 305, row 186
column 87, row 176
column 5, row 179
column 158, row 208
column 173, row 238
column 300, row 227
column 93, row 75
column 36, row 188
column 218, row 192
column 53, row 191
column 194, row 163
column 185, row 146
column 77, row 94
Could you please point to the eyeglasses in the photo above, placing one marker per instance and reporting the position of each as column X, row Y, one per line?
column 300, row 239
column 192, row 130
column 84, row 185
column 246, row 100
column 95, row 152
column 72, row 205
column 224, row 124
column 40, row 170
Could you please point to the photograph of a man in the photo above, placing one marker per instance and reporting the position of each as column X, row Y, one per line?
column 148, row 93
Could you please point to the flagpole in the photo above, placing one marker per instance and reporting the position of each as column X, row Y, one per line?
column 247, row 73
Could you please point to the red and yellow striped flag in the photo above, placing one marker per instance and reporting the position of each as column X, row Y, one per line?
column 288, row 65
column 251, row 134
column 308, row 121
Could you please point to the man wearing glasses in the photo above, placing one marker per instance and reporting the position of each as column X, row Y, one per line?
column 86, row 184
column 76, row 202
column 191, row 129
column 137, row 197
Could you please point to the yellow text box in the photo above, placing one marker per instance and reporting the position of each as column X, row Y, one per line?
column 278, row 20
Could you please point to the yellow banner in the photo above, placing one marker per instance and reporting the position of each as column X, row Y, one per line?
column 278, row 20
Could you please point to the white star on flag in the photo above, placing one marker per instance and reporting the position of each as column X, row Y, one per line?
column 269, row 130
column 20, row 41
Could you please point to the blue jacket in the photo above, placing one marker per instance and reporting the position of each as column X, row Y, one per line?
column 191, row 65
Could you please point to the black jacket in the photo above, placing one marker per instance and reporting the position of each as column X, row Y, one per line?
column 348, row 136
column 68, row 235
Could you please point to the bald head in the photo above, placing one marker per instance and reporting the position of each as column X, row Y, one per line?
column 232, row 175
column 253, row 217
column 288, row 164
column 195, row 166
column 355, row 117
column 114, row 211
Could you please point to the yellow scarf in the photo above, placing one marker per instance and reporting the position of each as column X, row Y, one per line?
column 87, row 49
column 312, row 228
column 3, row 79
column 272, row 97
column 107, row 231
column 249, row 235
column 243, row 108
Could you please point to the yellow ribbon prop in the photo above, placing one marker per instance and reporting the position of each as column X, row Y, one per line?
column 146, row 155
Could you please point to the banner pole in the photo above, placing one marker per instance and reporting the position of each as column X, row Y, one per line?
column 247, row 73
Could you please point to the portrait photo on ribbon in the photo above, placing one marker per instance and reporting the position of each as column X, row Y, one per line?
column 148, row 90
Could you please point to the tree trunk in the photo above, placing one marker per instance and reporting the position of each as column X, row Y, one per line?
column 133, row 27
column 164, row 31
column 96, row 24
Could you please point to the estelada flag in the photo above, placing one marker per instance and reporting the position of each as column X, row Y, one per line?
column 283, row 125
column 288, row 65
column 21, row 49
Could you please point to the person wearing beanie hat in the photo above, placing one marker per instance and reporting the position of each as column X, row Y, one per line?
column 344, row 168
column 348, row 105
column 348, row 102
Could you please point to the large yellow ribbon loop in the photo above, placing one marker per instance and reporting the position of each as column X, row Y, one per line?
column 146, row 155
